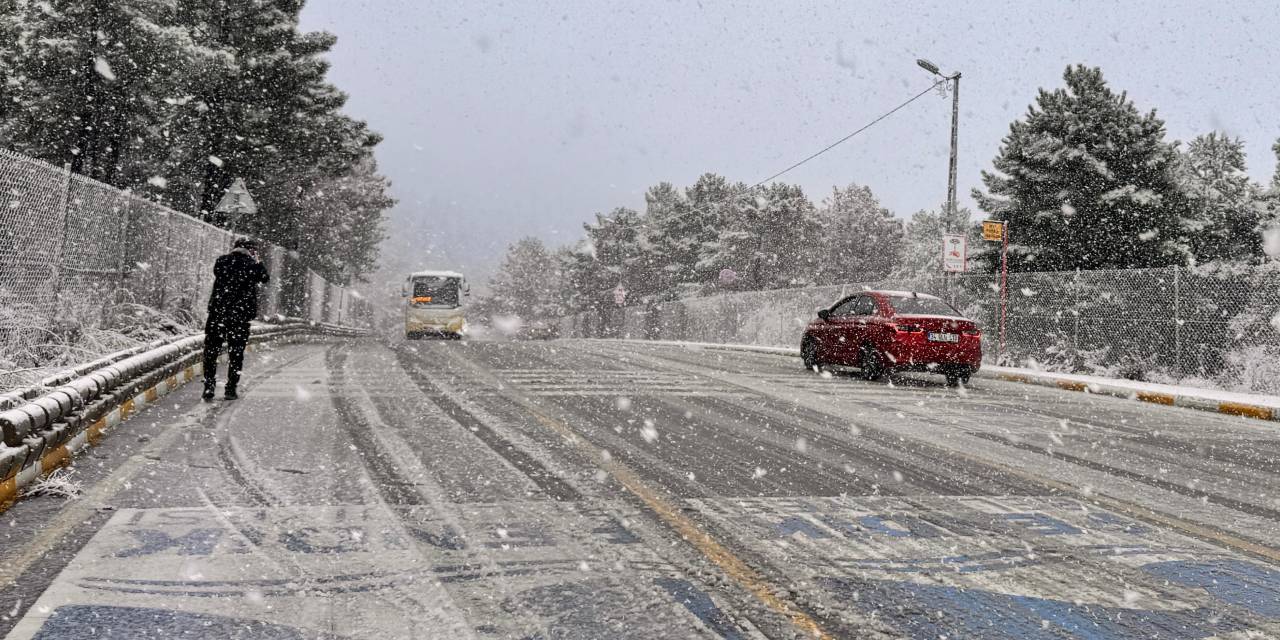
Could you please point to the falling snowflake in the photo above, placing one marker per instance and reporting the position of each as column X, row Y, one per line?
column 103, row 68
column 648, row 432
column 215, row 161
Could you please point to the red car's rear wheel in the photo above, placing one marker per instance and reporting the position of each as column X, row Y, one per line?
column 809, row 354
column 872, row 363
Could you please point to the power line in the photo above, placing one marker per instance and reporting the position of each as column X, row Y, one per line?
column 819, row 152
column 848, row 137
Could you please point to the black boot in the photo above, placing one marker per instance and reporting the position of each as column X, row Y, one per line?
column 230, row 392
column 209, row 387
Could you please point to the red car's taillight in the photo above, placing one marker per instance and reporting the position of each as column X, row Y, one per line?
column 975, row 332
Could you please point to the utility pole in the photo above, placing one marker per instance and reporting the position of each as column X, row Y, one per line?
column 955, row 135
column 949, row 280
column 951, row 169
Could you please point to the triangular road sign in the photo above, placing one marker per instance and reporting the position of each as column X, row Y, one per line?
column 237, row 201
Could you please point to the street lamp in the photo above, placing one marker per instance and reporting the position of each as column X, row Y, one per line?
column 955, row 116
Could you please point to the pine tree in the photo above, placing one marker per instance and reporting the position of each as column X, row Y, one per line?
column 88, row 76
column 1275, row 177
column 176, row 100
column 1088, row 182
column 699, row 222
column 261, row 110
column 343, row 226
column 769, row 238
column 1224, row 206
column 11, row 36
column 528, row 285
column 664, row 207
column 862, row 239
column 616, row 253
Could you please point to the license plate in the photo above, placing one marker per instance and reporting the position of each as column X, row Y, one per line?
column 944, row 337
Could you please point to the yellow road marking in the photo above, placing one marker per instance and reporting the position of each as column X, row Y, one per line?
column 732, row 565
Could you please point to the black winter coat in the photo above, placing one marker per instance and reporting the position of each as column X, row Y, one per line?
column 234, row 300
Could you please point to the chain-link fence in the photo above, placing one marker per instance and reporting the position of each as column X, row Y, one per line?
column 77, row 255
column 1175, row 323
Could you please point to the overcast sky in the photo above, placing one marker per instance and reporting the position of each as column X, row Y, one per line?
column 505, row 119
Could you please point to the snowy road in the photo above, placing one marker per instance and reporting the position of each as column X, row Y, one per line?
column 580, row 489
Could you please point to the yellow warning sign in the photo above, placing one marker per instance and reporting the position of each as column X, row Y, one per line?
column 992, row 230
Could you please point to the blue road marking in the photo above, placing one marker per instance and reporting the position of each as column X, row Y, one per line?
column 907, row 526
column 1042, row 524
column 1243, row 584
column 795, row 524
column 197, row 542
column 338, row 541
column 700, row 605
column 1105, row 521
column 927, row 612
column 73, row 622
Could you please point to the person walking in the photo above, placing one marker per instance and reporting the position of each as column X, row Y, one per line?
column 232, row 304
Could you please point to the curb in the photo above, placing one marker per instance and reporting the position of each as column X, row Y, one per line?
column 52, row 446
column 1119, row 390
column 1065, row 382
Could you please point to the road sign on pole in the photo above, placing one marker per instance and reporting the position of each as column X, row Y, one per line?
column 992, row 230
column 236, row 202
column 955, row 253
column 998, row 231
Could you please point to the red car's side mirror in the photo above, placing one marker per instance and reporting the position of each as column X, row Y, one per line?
column 824, row 314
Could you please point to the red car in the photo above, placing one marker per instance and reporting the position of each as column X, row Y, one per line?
column 886, row 331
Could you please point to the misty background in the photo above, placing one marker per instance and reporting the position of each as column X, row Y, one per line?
column 518, row 119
